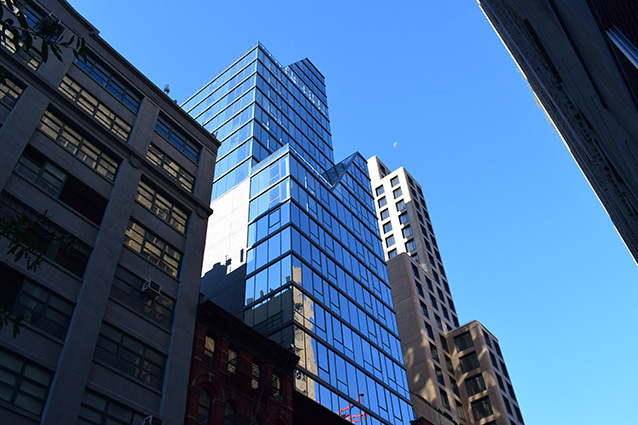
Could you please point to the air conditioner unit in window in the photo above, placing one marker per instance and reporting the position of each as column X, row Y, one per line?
column 152, row 420
column 151, row 288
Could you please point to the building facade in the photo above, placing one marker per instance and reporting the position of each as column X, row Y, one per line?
column 123, row 176
column 294, row 249
column 456, row 374
column 581, row 60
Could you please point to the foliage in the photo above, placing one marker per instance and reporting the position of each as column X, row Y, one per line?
column 43, row 37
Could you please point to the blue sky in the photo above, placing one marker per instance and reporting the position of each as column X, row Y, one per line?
column 528, row 248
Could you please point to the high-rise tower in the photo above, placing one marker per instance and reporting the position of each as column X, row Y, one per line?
column 456, row 370
column 293, row 248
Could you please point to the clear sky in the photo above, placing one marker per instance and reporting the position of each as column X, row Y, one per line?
column 528, row 249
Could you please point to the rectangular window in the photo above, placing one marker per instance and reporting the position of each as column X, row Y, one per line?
column 428, row 330
column 22, row 383
column 103, row 114
column 434, row 352
column 96, row 410
column 415, row 272
column 31, row 57
column 463, row 341
column 130, row 356
column 379, row 191
column 439, row 375
column 382, row 202
column 34, row 166
column 394, row 181
column 387, row 227
column 444, row 343
column 448, row 365
column 50, row 240
column 455, row 387
column 177, row 138
column 162, row 206
column 419, row 289
column 400, row 205
column 153, row 248
column 475, row 384
column 254, row 379
column 444, row 399
column 438, row 322
column 389, row 241
column 232, row 362
column 86, row 151
column 508, row 406
column 469, row 362
column 410, row 246
column 44, row 309
column 493, row 360
column 424, row 309
column 392, row 253
column 433, row 302
column 174, row 170
column 10, row 91
column 407, row 231
column 209, row 351
column 500, row 382
column 385, row 215
column 127, row 288
column 481, row 408
column 397, row 193
column 460, row 411
column 404, row 218
column 511, row 390
column 109, row 81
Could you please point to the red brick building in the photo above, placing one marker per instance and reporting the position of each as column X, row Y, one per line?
column 238, row 376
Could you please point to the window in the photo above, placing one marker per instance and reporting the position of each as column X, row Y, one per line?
column 154, row 249
column 433, row 302
column 231, row 368
column 397, row 193
column 429, row 283
column 511, row 390
column 504, row 369
column 88, row 152
column 500, row 381
column 435, row 354
column 454, row 385
column 487, row 338
column 382, row 202
column 419, row 289
column 463, row 341
column 113, row 84
column 392, row 253
column 424, row 309
column 203, row 410
column 448, row 364
column 410, row 246
column 387, row 227
column 10, row 91
column 404, row 218
column 460, row 411
column 96, row 409
column 379, row 191
column 255, row 373
column 428, row 330
column 31, row 57
column 209, row 351
column 23, row 384
column 52, row 241
column 518, row 414
column 415, row 272
column 482, row 408
column 389, row 241
column 444, row 400
column 230, row 415
column 385, row 215
column 475, row 384
column 493, row 360
column 276, row 385
column 162, row 206
column 127, row 288
column 439, row 375
column 444, row 311
column 95, row 108
column 394, row 181
column 508, row 406
column 400, row 205
column 438, row 322
column 174, row 170
column 469, row 362
column 34, row 166
column 444, row 343
column 177, row 138
column 407, row 231
column 130, row 356
column 498, row 349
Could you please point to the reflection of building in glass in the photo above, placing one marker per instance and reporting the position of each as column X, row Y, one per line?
column 454, row 373
column 294, row 248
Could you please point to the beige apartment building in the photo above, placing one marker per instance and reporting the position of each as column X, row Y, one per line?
column 125, row 174
column 456, row 374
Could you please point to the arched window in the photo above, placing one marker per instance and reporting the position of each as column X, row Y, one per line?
column 230, row 415
column 203, row 412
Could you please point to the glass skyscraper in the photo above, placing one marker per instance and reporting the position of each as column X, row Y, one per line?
column 294, row 238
